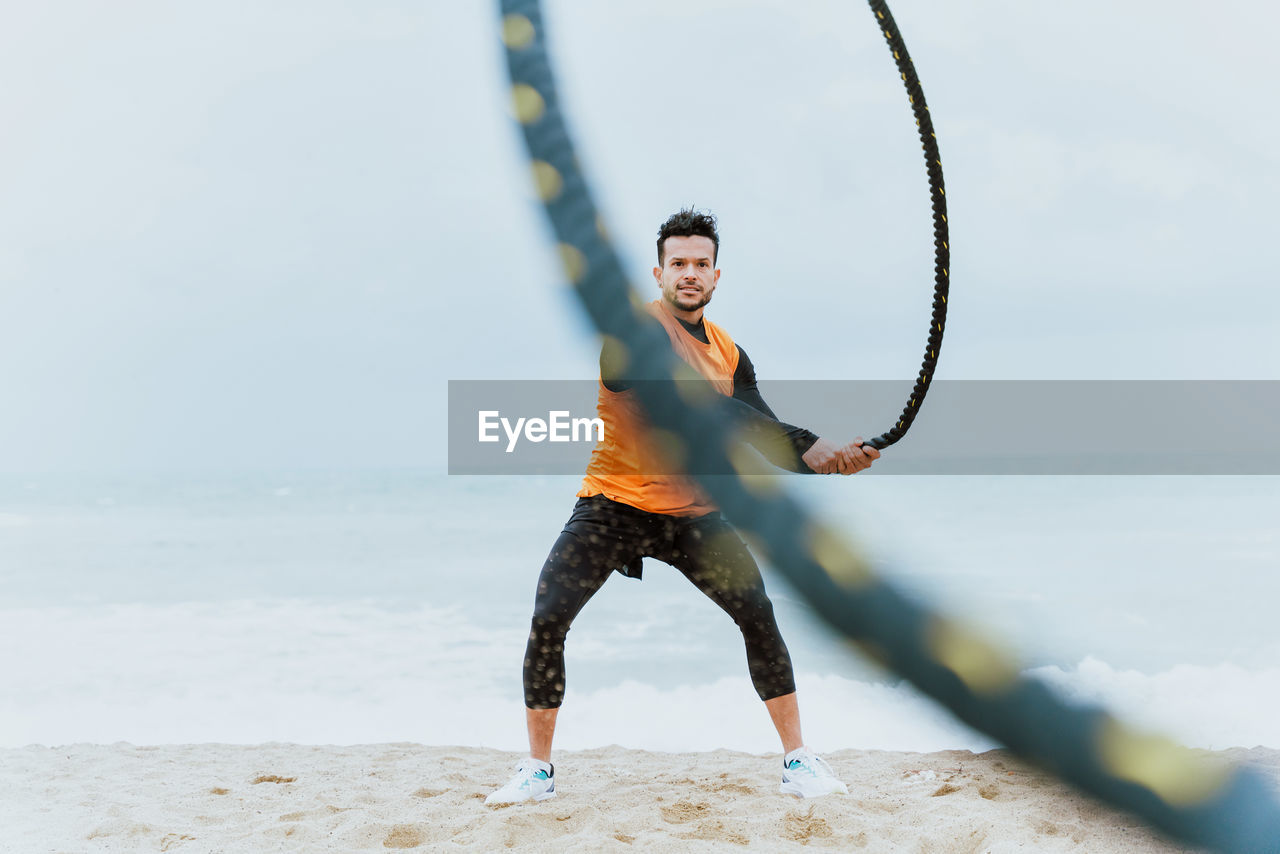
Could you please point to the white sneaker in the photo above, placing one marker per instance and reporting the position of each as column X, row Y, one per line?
column 534, row 781
column 806, row 775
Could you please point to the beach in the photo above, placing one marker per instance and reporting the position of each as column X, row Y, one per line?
column 272, row 272
column 292, row 797
column 200, row 646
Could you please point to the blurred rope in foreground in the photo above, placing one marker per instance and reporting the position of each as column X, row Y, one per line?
column 1222, row 807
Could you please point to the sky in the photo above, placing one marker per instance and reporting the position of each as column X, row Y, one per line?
column 243, row 236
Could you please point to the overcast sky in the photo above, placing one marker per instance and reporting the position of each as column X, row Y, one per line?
column 266, row 235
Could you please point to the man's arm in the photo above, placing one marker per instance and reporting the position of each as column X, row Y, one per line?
column 785, row 445
column 803, row 451
column 780, row 443
column 610, row 363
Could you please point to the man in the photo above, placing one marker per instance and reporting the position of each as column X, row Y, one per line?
column 626, row 512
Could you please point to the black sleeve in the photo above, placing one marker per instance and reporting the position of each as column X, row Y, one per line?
column 762, row 425
column 607, row 370
column 615, row 384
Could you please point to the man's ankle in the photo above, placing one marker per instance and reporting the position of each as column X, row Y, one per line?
column 791, row 754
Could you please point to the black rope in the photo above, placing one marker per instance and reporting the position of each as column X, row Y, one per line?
column 1226, row 808
column 938, row 199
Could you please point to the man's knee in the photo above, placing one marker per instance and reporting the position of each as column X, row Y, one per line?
column 547, row 632
column 754, row 612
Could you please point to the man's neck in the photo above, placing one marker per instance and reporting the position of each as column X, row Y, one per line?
column 691, row 324
column 698, row 330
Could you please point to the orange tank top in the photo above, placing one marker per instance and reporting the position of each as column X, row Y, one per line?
column 627, row 466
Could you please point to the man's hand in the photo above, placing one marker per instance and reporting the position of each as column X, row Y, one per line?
column 827, row 458
column 859, row 456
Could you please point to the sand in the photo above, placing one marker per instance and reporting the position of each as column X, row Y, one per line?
column 288, row 797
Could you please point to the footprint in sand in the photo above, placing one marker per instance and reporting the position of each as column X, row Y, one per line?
column 732, row 789
column 802, row 828
column 715, row 831
column 915, row 776
column 318, row 813
column 430, row 793
column 120, row 828
column 1047, row 828
column 403, row 836
column 685, row 811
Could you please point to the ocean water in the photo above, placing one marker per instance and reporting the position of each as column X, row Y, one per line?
column 393, row 606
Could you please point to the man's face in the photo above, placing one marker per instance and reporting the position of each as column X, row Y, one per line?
column 688, row 274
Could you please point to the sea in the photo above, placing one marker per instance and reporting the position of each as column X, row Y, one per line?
column 348, row 607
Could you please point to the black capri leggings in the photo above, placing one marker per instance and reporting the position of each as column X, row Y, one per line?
column 604, row 535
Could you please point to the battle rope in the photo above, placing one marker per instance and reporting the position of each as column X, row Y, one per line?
column 1227, row 808
column 938, row 198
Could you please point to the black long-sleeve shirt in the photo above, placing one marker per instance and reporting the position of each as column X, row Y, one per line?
column 748, row 408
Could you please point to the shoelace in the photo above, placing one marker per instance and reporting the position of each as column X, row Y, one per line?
column 813, row 763
column 527, row 771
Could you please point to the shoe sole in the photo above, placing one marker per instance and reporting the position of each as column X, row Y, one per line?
column 545, row 796
column 799, row 792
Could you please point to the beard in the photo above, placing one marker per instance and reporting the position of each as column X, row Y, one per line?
column 686, row 302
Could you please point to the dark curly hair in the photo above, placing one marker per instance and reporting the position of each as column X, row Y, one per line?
column 688, row 222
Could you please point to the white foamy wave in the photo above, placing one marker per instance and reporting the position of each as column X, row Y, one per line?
column 1211, row 707
column 360, row 672
column 837, row 713
column 242, row 672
